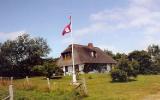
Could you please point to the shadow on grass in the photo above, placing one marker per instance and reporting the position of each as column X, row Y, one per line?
column 52, row 78
column 117, row 81
column 56, row 77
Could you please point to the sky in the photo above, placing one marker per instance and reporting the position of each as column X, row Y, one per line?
column 117, row 25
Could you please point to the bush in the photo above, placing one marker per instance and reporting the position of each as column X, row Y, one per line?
column 155, row 69
column 38, row 70
column 124, row 70
column 119, row 75
column 48, row 69
column 51, row 68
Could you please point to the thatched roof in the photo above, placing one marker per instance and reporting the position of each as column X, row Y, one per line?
column 82, row 55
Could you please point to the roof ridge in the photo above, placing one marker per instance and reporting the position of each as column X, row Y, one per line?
column 77, row 45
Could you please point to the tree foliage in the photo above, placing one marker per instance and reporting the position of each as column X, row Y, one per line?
column 18, row 56
column 47, row 69
column 137, row 62
column 144, row 60
column 118, row 56
column 119, row 75
column 108, row 52
column 154, row 52
column 124, row 70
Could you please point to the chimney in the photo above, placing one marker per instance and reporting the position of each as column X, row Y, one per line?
column 90, row 45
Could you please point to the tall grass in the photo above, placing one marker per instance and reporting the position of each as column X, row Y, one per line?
column 37, row 89
column 99, row 87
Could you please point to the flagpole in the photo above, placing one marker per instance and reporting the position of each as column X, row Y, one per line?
column 73, row 62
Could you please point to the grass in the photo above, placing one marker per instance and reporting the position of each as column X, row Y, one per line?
column 38, row 90
column 99, row 87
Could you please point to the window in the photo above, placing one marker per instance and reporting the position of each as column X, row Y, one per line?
column 93, row 54
column 66, row 68
column 66, row 56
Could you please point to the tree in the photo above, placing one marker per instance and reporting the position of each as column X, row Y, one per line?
column 8, row 58
column 108, row 52
column 134, row 68
column 48, row 68
column 118, row 56
column 130, row 67
column 144, row 60
column 154, row 52
column 21, row 54
column 124, row 70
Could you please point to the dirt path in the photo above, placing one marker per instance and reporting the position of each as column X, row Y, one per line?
column 153, row 97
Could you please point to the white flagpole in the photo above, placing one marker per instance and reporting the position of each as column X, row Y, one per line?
column 74, row 72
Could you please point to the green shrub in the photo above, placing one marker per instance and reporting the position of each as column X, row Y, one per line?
column 124, row 70
column 51, row 68
column 119, row 75
column 38, row 70
column 47, row 69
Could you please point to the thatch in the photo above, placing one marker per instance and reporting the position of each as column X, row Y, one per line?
column 82, row 55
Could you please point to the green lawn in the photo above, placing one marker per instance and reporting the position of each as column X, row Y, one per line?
column 99, row 87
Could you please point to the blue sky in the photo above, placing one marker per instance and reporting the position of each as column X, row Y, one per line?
column 117, row 25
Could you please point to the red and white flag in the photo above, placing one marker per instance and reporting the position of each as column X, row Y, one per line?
column 67, row 28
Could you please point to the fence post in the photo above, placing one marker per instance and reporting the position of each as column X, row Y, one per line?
column 11, row 81
column 27, row 79
column 10, row 92
column 49, row 85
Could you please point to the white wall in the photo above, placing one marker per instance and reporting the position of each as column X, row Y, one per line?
column 108, row 68
column 81, row 67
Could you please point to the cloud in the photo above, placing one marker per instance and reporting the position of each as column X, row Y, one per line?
column 138, row 14
column 133, row 16
column 96, row 27
column 140, row 17
column 142, row 3
column 10, row 35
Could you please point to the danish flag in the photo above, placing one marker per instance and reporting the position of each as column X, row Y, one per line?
column 67, row 28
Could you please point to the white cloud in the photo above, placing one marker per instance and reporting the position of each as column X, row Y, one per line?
column 10, row 35
column 142, row 3
column 96, row 27
column 133, row 16
column 140, row 15
column 106, row 15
